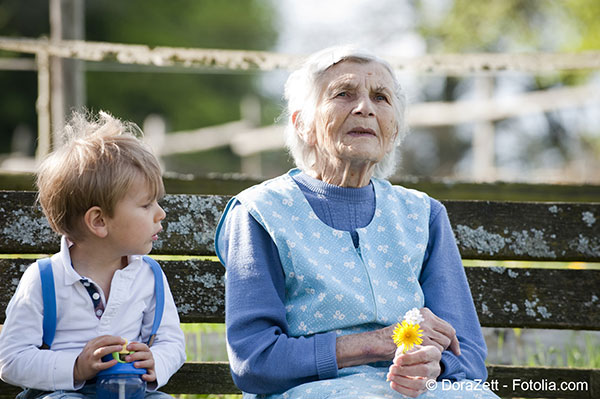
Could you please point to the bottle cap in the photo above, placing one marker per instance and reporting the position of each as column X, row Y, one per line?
column 120, row 368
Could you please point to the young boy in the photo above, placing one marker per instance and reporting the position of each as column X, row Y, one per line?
column 100, row 192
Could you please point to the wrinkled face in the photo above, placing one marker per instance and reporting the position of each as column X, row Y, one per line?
column 355, row 120
column 136, row 221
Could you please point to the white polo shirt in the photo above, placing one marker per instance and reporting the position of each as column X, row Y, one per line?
column 129, row 313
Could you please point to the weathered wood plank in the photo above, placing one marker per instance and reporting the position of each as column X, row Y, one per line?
column 197, row 286
column 188, row 230
column 443, row 189
column 202, row 378
column 526, row 230
column 231, row 184
column 506, row 381
column 534, row 298
column 483, row 229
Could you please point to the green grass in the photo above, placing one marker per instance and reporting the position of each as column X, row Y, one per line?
column 581, row 349
column 572, row 356
column 205, row 342
column 533, row 265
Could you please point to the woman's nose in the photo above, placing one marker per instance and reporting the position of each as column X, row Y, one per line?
column 364, row 106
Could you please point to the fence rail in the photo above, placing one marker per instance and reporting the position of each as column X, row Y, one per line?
column 447, row 64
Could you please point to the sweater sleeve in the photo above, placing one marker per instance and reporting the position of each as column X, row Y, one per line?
column 448, row 296
column 263, row 358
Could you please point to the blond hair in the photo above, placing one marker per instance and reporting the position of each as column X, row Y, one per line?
column 101, row 158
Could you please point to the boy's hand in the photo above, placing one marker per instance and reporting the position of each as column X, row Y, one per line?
column 89, row 362
column 143, row 360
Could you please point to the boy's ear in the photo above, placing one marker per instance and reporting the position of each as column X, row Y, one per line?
column 95, row 221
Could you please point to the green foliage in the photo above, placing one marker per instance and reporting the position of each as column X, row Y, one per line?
column 187, row 100
column 512, row 25
column 583, row 17
column 232, row 24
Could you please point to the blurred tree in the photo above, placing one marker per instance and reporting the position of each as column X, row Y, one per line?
column 186, row 100
column 19, row 88
column 463, row 26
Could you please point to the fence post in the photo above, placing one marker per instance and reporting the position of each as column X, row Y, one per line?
column 66, row 75
column 484, row 149
column 42, row 104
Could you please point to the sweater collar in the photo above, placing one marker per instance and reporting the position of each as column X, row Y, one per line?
column 319, row 187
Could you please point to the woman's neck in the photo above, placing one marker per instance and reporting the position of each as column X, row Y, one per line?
column 345, row 174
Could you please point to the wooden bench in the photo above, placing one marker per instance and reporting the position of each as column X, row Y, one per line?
column 504, row 297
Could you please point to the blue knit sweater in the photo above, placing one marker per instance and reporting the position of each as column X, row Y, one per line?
column 264, row 359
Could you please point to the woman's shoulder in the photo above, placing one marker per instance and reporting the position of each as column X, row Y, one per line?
column 409, row 194
column 433, row 204
column 275, row 187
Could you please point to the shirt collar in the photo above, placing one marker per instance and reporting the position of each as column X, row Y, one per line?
column 71, row 276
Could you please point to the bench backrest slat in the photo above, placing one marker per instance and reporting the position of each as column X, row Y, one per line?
column 537, row 298
column 483, row 229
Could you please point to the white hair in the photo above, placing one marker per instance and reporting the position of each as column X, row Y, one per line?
column 302, row 96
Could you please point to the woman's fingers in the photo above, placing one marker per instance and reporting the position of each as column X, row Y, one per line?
column 410, row 371
column 409, row 386
column 438, row 332
column 423, row 362
column 436, row 339
column 455, row 346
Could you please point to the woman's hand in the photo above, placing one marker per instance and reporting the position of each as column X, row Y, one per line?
column 143, row 360
column 438, row 332
column 378, row 345
column 410, row 371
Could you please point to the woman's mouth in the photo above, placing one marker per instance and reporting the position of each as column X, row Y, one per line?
column 360, row 131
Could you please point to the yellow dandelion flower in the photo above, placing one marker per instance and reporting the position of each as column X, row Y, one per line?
column 407, row 335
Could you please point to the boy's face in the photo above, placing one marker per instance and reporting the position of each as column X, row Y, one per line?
column 136, row 221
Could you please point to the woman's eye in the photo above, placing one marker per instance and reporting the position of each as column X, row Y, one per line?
column 342, row 94
column 380, row 97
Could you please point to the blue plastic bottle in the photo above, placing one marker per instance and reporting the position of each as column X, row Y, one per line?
column 121, row 381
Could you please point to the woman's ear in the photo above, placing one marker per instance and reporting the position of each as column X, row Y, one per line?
column 95, row 222
column 304, row 133
column 392, row 142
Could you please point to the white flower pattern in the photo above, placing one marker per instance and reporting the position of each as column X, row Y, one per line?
column 342, row 289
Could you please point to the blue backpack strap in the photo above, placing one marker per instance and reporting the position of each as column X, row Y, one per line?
column 159, row 293
column 49, row 300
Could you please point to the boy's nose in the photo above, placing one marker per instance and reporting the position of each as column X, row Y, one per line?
column 161, row 213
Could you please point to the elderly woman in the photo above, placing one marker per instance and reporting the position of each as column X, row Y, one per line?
column 324, row 260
